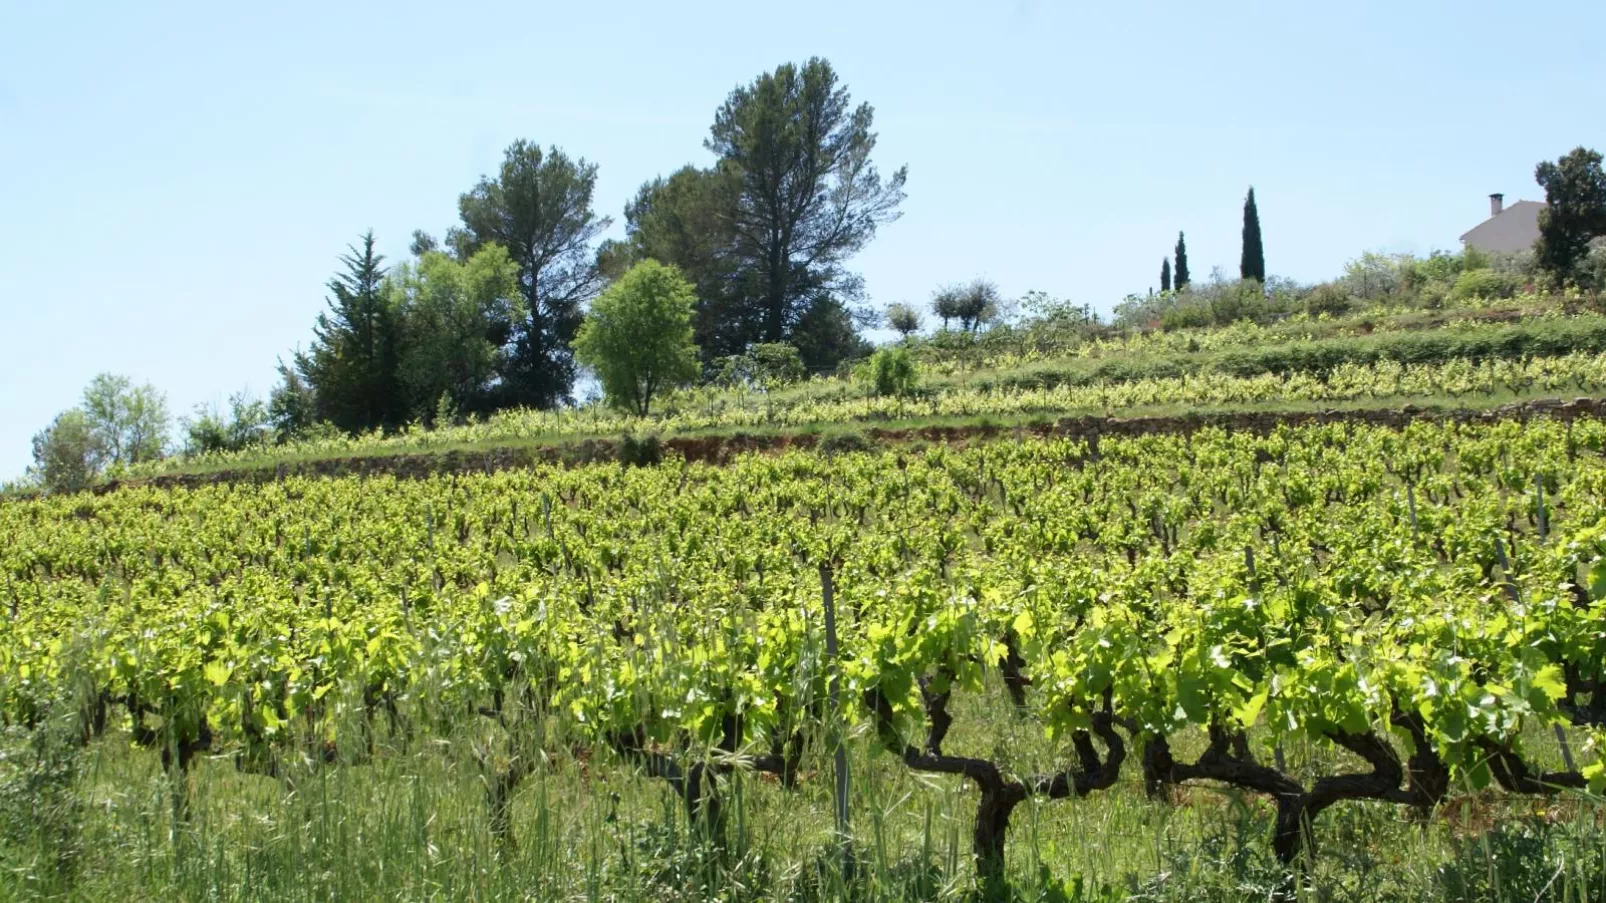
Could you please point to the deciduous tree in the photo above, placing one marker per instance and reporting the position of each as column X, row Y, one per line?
column 455, row 316
column 130, row 423
column 66, row 454
column 904, row 319
column 638, row 336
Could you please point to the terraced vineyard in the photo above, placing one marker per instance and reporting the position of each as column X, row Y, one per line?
column 1481, row 367
column 1323, row 618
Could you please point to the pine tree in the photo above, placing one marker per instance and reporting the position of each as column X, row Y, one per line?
column 1165, row 274
column 1253, row 265
column 1180, row 273
column 352, row 364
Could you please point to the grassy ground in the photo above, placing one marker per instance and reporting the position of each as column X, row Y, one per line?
column 411, row 825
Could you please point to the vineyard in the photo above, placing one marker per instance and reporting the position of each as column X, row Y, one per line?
column 1321, row 620
column 1458, row 381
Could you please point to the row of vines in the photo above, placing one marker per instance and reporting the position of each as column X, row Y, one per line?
column 1458, row 380
column 1423, row 604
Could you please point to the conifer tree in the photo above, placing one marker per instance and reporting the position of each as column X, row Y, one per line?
column 1179, row 277
column 1165, row 274
column 1253, row 264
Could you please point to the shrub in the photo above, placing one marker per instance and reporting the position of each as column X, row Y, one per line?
column 776, row 363
column 891, row 371
column 644, row 452
column 1328, row 299
column 842, row 443
column 1483, row 285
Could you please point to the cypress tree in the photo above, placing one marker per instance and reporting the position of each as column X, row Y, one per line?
column 1253, row 265
column 1180, row 273
column 1165, row 274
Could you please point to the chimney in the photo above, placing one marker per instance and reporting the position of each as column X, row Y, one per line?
column 1497, row 203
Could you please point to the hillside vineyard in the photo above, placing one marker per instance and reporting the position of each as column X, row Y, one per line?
column 1421, row 606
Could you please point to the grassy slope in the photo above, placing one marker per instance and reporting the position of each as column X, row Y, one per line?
column 410, row 824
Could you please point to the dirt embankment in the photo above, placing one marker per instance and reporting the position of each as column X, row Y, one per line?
column 719, row 449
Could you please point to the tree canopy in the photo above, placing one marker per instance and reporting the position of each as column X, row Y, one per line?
column 538, row 207
column 766, row 232
column 1252, row 265
column 638, row 336
column 355, row 349
column 1575, row 209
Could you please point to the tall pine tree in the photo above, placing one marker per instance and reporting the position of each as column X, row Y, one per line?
column 1253, row 264
column 1165, row 274
column 1180, row 277
column 352, row 365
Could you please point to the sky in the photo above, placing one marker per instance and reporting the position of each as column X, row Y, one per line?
column 177, row 180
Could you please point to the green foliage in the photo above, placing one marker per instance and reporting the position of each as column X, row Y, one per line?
column 454, row 317
column 67, row 454
column 41, row 808
column 809, row 192
column 1252, row 264
column 1591, row 271
column 1374, row 275
column 292, row 406
column 351, row 368
column 646, row 451
column 765, row 366
column 776, row 364
column 1328, row 299
column 1165, row 275
column 972, row 303
column 638, row 336
column 1575, row 209
column 686, row 220
column 892, row 372
column 246, row 424
column 275, row 624
column 826, row 335
column 130, row 422
column 767, row 232
column 1179, row 273
column 1486, row 285
column 903, row 319
column 1524, row 860
column 538, row 207
column 118, row 425
column 846, row 443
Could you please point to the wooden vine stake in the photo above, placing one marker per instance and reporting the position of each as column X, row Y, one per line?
column 840, row 754
column 1513, row 594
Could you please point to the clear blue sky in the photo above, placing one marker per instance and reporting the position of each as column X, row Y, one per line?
column 176, row 180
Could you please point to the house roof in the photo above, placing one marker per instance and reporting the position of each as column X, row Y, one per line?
column 1512, row 229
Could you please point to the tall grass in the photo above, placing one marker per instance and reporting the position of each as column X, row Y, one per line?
column 411, row 823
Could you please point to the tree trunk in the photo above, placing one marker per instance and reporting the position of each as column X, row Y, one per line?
column 992, row 828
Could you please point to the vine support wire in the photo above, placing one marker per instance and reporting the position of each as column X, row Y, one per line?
column 840, row 753
column 1515, row 596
